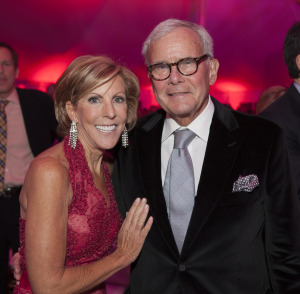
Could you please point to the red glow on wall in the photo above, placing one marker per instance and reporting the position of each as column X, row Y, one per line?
column 50, row 70
column 147, row 97
column 22, row 86
column 230, row 92
column 230, row 86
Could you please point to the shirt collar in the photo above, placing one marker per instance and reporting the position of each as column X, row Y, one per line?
column 297, row 86
column 13, row 97
column 200, row 125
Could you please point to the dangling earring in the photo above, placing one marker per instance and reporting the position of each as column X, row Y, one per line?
column 125, row 138
column 73, row 135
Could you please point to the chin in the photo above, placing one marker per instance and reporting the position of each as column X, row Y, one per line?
column 108, row 145
column 182, row 111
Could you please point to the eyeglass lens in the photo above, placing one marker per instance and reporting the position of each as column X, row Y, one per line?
column 186, row 66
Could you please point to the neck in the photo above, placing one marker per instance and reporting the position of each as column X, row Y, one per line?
column 93, row 156
column 4, row 95
column 297, row 81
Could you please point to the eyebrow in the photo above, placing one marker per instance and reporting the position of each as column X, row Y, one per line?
column 158, row 62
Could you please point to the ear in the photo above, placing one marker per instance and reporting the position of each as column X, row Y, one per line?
column 71, row 111
column 213, row 71
column 16, row 72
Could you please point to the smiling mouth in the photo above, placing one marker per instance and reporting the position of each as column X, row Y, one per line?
column 106, row 129
column 177, row 94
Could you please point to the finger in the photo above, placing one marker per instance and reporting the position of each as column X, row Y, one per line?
column 147, row 226
column 140, row 214
column 129, row 214
column 141, row 218
column 135, row 210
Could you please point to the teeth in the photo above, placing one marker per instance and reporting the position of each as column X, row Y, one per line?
column 106, row 128
column 174, row 94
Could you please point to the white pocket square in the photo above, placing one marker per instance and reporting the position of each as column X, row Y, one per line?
column 247, row 183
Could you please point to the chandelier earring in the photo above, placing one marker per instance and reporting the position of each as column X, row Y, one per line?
column 73, row 135
column 125, row 142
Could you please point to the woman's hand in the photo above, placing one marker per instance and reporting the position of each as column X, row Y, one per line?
column 17, row 267
column 134, row 230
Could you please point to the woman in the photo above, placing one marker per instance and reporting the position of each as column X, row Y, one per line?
column 69, row 218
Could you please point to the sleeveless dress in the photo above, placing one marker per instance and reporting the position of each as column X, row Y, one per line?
column 93, row 224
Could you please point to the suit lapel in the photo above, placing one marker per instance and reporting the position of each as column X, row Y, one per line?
column 149, row 155
column 223, row 144
column 222, row 148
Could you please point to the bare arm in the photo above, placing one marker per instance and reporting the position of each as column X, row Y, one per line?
column 46, row 231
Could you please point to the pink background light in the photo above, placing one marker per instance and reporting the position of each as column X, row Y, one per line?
column 248, row 37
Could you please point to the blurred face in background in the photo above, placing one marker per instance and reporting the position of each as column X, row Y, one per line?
column 8, row 73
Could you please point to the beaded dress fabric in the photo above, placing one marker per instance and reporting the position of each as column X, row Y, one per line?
column 93, row 223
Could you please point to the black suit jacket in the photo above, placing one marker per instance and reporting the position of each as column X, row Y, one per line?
column 286, row 113
column 237, row 243
column 39, row 118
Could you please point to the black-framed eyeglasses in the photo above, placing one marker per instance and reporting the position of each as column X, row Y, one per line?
column 186, row 66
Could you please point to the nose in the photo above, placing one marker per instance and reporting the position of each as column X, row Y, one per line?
column 108, row 110
column 175, row 76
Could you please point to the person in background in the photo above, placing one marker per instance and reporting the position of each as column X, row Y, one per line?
column 286, row 110
column 268, row 96
column 27, row 127
column 218, row 182
column 50, row 90
column 69, row 218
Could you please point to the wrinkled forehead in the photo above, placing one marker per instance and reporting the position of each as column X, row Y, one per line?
column 5, row 54
column 179, row 43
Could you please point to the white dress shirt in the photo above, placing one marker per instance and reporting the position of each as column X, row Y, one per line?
column 200, row 126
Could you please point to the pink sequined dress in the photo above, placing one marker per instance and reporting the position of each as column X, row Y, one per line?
column 93, row 225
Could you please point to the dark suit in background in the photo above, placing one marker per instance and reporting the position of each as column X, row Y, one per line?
column 286, row 110
column 286, row 113
column 39, row 118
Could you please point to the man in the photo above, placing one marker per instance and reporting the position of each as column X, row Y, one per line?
column 243, row 232
column 31, row 128
column 286, row 110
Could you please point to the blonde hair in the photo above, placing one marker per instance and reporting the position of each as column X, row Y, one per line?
column 83, row 75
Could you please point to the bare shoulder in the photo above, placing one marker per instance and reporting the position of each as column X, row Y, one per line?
column 47, row 185
column 48, row 172
column 51, row 161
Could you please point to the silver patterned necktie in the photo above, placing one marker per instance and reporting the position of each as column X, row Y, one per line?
column 179, row 186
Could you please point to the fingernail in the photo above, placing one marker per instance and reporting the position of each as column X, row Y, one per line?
column 144, row 200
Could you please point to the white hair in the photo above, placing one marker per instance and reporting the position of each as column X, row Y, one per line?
column 170, row 25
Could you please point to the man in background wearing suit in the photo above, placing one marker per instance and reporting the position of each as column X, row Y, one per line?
column 31, row 128
column 286, row 110
column 241, row 232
